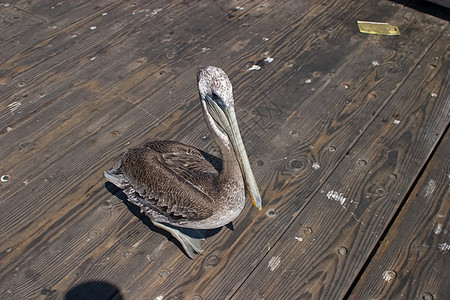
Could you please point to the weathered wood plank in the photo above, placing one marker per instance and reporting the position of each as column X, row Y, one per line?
column 94, row 85
column 62, row 14
column 13, row 24
column 80, row 232
column 42, row 40
column 139, row 70
column 73, row 128
column 78, row 50
column 410, row 262
column 328, row 243
column 88, row 145
column 58, row 191
column 219, row 273
column 61, row 125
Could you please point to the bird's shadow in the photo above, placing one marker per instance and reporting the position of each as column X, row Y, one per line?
column 215, row 161
column 205, row 233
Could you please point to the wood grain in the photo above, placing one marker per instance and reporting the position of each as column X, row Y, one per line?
column 252, row 240
column 331, row 238
column 410, row 262
column 88, row 94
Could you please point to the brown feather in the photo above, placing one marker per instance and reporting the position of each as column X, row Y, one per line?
column 169, row 175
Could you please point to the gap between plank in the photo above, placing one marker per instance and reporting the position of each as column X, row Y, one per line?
column 396, row 214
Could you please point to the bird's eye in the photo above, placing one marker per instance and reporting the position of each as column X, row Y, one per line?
column 215, row 97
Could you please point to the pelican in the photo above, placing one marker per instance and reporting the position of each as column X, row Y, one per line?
column 177, row 187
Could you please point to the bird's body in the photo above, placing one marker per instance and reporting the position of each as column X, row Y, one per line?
column 177, row 186
column 174, row 183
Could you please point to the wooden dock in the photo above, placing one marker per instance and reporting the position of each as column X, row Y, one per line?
column 347, row 134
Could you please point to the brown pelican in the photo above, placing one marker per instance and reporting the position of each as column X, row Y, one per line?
column 177, row 187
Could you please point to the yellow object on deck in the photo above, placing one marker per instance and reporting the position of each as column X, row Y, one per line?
column 378, row 28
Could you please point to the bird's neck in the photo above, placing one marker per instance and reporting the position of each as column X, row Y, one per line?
column 231, row 171
column 230, row 167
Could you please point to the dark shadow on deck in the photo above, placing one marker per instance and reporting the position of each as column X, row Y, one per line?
column 146, row 220
column 428, row 8
column 94, row 290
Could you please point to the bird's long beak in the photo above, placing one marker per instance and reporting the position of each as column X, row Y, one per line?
column 241, row 155
column 227, row 120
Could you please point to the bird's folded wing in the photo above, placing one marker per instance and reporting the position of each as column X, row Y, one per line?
column 179, row 184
